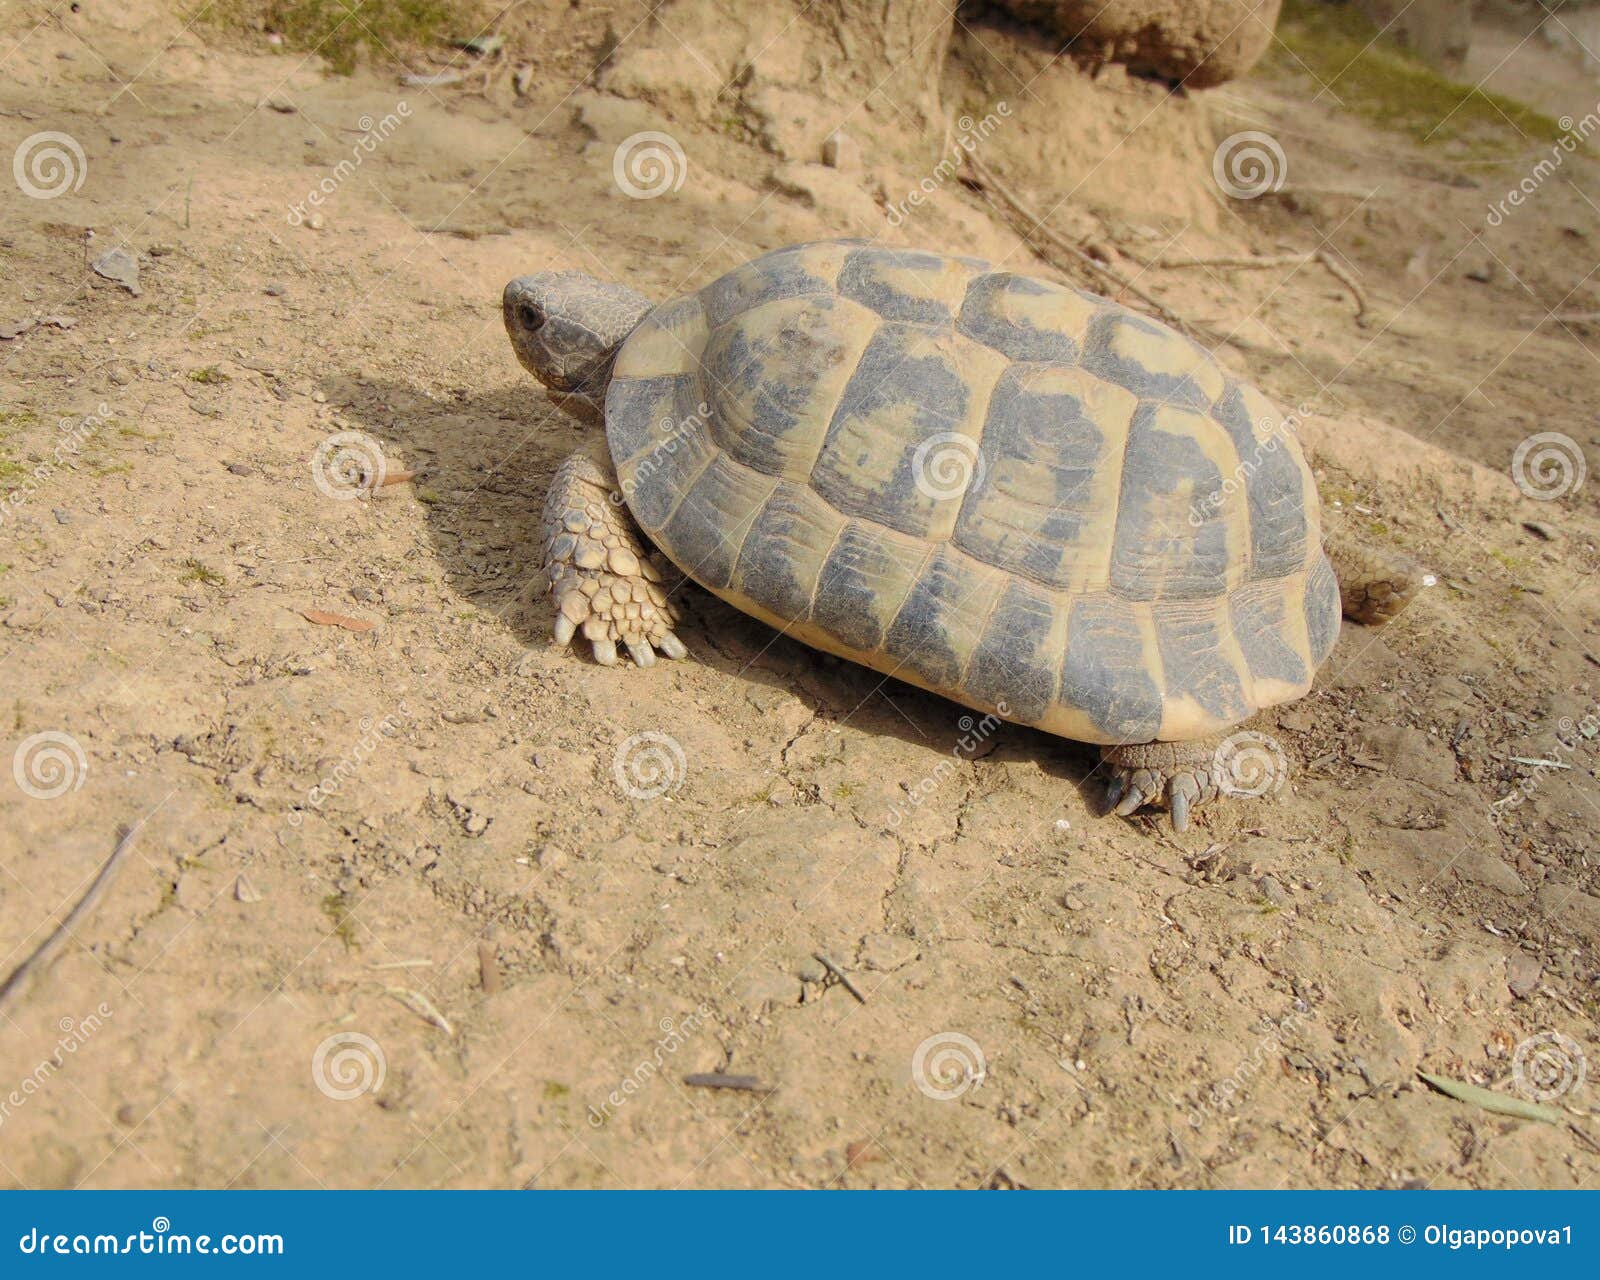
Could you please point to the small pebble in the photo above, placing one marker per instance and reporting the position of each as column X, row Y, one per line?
column 275, row 291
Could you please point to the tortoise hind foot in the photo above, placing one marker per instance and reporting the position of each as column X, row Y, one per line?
column 1374, row 587
column 1182, row 775
column 602, row 581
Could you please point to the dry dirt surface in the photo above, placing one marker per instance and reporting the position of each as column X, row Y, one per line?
column 416, row 900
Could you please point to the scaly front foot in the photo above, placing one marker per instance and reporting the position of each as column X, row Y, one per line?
column 602, row 580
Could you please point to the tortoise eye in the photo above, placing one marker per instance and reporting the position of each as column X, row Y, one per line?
column 532, row 318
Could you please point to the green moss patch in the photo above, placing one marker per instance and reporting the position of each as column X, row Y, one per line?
column 1377, row 79
column 348, row 32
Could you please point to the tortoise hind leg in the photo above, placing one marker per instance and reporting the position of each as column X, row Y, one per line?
column 1373, row 587
column 1183, row 774
column 602, row 581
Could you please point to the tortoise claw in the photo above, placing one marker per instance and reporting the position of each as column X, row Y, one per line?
column 1178, row 803
column 1130, row 802
column 1113, row 792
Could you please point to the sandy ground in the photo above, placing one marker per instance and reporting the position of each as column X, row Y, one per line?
column 391, row 920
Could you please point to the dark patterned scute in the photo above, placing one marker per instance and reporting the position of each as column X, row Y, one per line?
column 1274, row 488
column 981, row 321
column 896, row 374
column 1012, row 666
column 783, row 550
column 1260, row 622
column 784, row 274
column 936, row 628
column 1105, row 672
column 666, row 455
column 1105, row 355
column 1192, row 661
column 1159, row 553
column 860, row 280
column 1323, row 610
column 711, row 522
column 1049, row 431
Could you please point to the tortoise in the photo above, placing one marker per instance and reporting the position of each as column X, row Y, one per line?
column 1022, row 496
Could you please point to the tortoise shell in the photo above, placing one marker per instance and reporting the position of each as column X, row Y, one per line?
column 1013, row 493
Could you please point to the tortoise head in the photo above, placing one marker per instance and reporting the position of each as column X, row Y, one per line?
column 566, row 327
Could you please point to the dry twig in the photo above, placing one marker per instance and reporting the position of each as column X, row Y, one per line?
column 47, row 950
column 1247, row 263
column 998, row 193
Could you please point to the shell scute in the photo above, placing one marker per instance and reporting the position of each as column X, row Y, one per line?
column 1151, row 360
column 1027, row 319
column 905, row 285
column 864, row 581
column 1274, row 478
column 1166, row 545
column 1051, row 467
column 1272, row 640
column 936, row 630
column 1203, row 684
column 1106, row 673
column 788, row 273
column 909, row 388
column 774, row 379
column 711, row 522
column 1323, row 609
column 786, row 548
column 1017, row 662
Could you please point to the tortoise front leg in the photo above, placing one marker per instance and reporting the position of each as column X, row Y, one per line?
column 602, row 580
